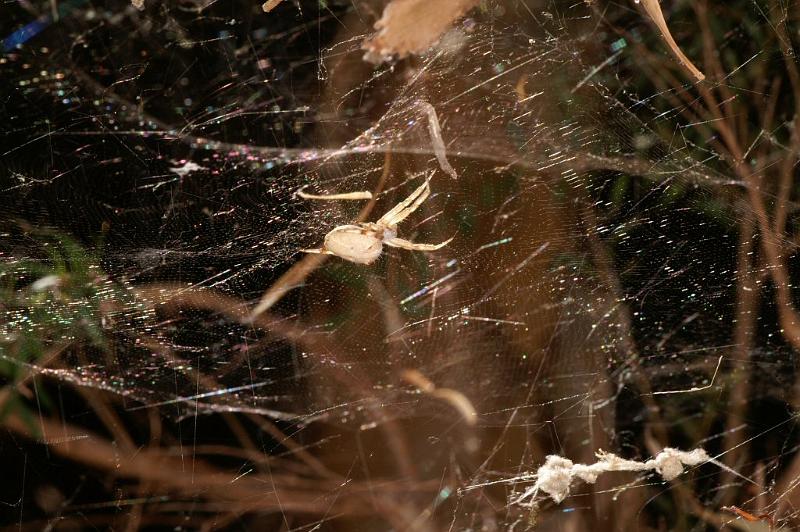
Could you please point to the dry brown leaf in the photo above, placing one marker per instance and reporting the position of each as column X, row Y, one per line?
column 654, row 11
column 412, row 26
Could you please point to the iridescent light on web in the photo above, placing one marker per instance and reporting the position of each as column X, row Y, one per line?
column 34, row 28
column 25, row 33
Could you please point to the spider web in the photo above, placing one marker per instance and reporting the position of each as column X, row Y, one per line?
column 592, row 273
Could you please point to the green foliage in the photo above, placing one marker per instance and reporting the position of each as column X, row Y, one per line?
column 59, row 300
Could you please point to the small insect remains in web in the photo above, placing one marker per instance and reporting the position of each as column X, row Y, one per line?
column 747, row 516
column 362, row 243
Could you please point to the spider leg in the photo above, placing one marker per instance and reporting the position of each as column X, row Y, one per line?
column 413, row 246
column 400, row 212
column 319, row 251
column 343, row 196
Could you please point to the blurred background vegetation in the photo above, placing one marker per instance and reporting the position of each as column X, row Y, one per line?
column 650, row 249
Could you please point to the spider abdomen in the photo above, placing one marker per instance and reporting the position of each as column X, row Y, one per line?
column 354, row 243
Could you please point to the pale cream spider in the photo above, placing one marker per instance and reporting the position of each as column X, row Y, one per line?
column 362, row 243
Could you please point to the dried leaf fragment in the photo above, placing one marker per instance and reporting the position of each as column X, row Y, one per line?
column 412, row 26
column 654, row 11
column 269, row 5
